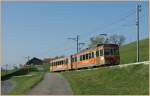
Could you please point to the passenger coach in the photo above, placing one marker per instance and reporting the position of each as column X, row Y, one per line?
column 103, row 54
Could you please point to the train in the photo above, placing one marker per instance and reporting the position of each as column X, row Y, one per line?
column 102, row 54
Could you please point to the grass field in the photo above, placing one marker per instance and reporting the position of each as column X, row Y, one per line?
column 3, row 73
column 110, row 81
column 24, row 83
column 128, row 51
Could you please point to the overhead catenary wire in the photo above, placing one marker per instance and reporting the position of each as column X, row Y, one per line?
column 116, row 22
column 129, row 13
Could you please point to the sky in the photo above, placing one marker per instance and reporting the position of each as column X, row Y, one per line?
column 41, row 29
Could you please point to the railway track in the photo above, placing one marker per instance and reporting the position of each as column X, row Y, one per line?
column 124, row 65
column 119, row 66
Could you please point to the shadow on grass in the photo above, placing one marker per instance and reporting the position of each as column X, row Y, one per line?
column 18, row 73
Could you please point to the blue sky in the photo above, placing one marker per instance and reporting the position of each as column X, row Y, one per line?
column 41, row 29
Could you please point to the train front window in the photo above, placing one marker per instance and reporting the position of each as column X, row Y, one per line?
column 107, row 52
column 111, row 52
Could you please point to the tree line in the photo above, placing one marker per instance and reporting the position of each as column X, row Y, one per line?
column 112, row 39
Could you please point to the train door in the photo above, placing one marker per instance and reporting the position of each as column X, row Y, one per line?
column 71, row 65
column 97, row 56
column 100, row 56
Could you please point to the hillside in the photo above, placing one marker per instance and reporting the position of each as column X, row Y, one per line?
column 128, row 51
column 110, row 81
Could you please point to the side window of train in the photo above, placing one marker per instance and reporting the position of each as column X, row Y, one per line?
column 75, row 59
column 83, row 57
column 92, row 54
column 80, row 57
column 72, row 59
column 101, row 52
column 86, row 56
column 89, row 55
column 97, row 53
column 66, row 61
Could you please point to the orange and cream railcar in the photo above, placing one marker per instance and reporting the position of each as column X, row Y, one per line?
column 60, row 63
column 85, row 58
column 107, row 54
column 103, row 54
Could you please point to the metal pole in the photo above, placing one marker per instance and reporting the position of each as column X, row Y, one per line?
column 77, row 40
column 80, row 46
column 77, row 43
column 137, row 24
column 6, row 68
column 28, row 57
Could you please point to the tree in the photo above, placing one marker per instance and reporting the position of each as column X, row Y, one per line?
column 96, row 40
column 113, row 39
column 117, row 39
column 15, row 67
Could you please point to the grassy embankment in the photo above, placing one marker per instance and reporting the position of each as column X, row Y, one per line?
column 128, row 52
column 24, row 79
column 24, row 83
column 126, row 80
column 4, row 72
column 110, row 81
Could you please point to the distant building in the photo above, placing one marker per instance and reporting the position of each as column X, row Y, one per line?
column 35, row 61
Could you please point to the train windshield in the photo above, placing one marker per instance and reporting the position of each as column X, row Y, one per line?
column 111, row 52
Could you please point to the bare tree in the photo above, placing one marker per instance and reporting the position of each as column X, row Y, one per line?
column 96, row 40
column 117, row 39
column 114, row 39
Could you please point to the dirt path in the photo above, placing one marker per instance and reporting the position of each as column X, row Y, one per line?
column 52, row 84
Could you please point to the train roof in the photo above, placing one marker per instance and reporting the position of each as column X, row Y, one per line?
column 84, row 50
column 106, row 44
column 98, row 45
